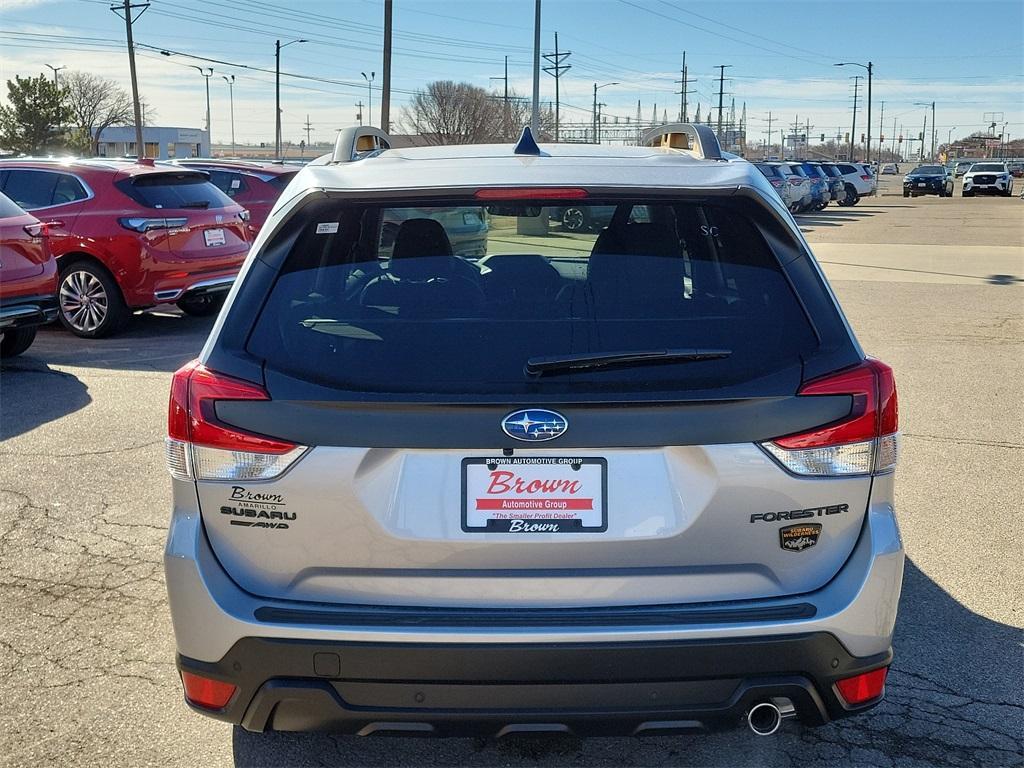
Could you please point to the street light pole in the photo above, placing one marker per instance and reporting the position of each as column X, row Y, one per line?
column 370, row 95
column 924, row 133
column 207, row 73
column 55, row 71
column 597, row 87
column 870, row 67
column 231, row 90
column 277, row 93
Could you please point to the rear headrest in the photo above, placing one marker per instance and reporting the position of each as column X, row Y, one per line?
column 638, row 240
column 421, row 237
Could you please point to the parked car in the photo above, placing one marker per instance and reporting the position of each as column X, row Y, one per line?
column 928, row 180
column 962, row 167
column 798, row 179
column 129, row 235
column 859, row 181
column 988, row 177
column 789, row 194
column 28, row 278
column 837, row 186
column 602, row 490
column 1017, row 170
column 821, row 185
column 254, row 185
column 585, row 218
column 890, row 169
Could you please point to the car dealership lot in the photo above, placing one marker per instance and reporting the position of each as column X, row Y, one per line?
column 935, row 287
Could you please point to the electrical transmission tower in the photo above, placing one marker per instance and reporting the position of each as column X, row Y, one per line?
column 684, row 81
column 556, row 69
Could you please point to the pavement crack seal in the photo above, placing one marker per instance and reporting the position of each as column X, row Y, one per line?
column 80, row 454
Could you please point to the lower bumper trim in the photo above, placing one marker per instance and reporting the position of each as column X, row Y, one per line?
column 491, row 689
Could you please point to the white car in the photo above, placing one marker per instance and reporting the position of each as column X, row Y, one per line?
column 860, row 181
column 988, row 177
column 889, row 169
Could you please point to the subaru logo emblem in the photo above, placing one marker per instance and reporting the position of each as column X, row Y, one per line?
column 534, row 425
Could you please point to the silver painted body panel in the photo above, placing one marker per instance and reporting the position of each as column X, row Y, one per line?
column 384, row 526
column 210, row 612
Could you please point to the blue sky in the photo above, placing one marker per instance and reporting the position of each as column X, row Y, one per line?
column 966, row 56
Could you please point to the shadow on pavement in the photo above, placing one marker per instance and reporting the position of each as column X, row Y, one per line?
column 155, row 340
column 32, row 394
column 1004, row 279
column 954, row 698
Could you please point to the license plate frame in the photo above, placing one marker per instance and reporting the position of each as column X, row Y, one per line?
column 214, row 237
column 538, row 517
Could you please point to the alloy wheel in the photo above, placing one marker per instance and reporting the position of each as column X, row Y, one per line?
column 83, row 301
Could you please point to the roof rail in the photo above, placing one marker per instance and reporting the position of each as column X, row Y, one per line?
column 696, row 138
column 356, row 143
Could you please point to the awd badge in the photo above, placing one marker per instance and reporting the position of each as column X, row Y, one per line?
column 797, row 538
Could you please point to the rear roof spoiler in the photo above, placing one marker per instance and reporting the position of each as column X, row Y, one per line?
column 698, row 139
column 357, row 143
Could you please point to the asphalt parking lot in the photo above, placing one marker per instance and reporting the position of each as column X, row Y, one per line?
column 935, row 287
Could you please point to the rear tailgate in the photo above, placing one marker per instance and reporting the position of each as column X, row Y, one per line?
column 203, row 224
column 635, row 485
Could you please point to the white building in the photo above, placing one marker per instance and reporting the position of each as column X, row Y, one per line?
column 161, row 143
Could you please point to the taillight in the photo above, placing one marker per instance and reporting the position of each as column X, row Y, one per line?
column 201, row 447
column 866, row 177
column 243, row 215
column 776, row 182
column 863, row 688
column 144, row 224
column 205, row 692
column 864, row 442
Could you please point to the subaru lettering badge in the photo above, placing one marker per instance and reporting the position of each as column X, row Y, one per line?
column 534, row 425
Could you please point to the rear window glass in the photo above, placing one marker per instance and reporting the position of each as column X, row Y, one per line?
column 228, row 182
column 457, row 299
column 280, row 181
column 170, row 190
column 8, row 209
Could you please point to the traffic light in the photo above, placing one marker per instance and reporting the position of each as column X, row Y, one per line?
column 846, row 136
column 882, row 138
column 901, row 139
column 823, row 138
column 862, row 138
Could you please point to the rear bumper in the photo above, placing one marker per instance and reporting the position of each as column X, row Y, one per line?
column 207, row 285
column 493, row 689
column 21, row 311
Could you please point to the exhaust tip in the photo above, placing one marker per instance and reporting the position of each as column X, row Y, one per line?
column 764, row 719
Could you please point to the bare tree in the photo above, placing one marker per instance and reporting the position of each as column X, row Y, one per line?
column 95, row 103
column 446, row 112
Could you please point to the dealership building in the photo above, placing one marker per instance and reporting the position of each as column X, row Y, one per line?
column 160, row 143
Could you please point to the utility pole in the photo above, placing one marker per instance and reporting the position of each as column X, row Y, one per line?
column 768, row 141
column 684, row 81
column 385, row 87
column 881, row 131
column 556, row 69
column 867, row 156
column 933, row 130
column 126, row 7
column 924, row 132
column 894, row 139
column 807, row 140
column 853, row 129
column 595, row 112
column 535, row 111
column 359, row 114
column 231, row 90
column 721, row 93
column 309, row 130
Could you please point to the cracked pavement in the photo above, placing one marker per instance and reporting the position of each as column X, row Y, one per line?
column 86, row 651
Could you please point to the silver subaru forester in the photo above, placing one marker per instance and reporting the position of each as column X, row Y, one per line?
column 627, row 481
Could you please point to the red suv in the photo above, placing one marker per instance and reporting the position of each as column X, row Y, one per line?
column 129, row 235
column 254, row 184
column 28, row 278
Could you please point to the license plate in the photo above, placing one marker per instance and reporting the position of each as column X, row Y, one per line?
column 214, row 237
column 512, row 494
column 921, row 184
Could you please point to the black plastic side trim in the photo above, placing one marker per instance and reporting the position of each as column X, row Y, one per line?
column 478, row 427
column 640, row 615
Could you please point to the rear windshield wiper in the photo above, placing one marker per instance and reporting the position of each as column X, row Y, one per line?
column 538, row 366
